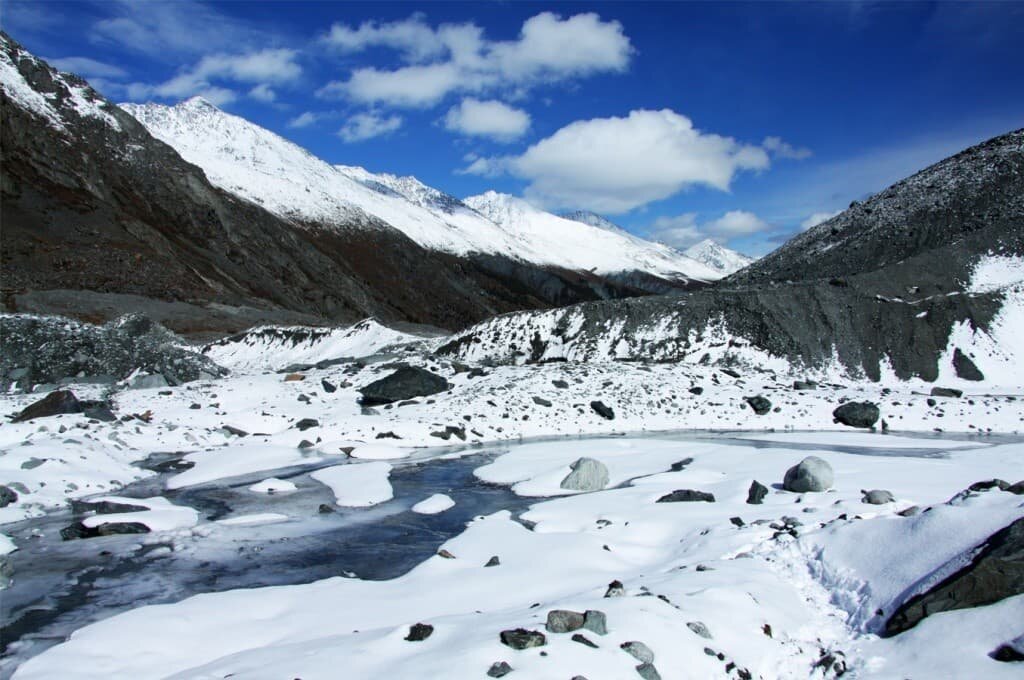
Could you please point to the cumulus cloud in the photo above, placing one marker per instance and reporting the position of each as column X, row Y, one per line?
column 263, row 93
column 363, row 126
column 782, row 149
column 458, row 58
column 817, row 218
column 682, row 231
column 613, row 165
column 304, row 119
column 491, row 119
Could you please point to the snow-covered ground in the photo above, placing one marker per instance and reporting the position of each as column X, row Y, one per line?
column 773, row 596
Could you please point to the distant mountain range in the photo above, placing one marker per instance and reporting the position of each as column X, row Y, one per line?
column 717, row 257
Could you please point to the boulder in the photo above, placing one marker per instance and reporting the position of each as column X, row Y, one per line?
column 55, row 403
column 810, row 474
column 7, row 496
column 563, row 621
column 79, row 530
column 615, row 589
column 419, row 632
column 405, row 383
column 520, row 638
column 946, row 392
column 560, row 384
column 756, row 493
column 600, row 409
column 877, row 497
column 758, row 404
column 700, row 629
column 595, row 621
column 804, row 385
column 647, row 671
column 307, row 423
column 687, row 496
column 587, row 475
column 996, row 572
column 857, row 414
column 1012, row 651
column 499, row 669
column 328, row 386
column 493, row 562
column 583, row 640
column 638, row 651
column 965, row 368
column 541, row 401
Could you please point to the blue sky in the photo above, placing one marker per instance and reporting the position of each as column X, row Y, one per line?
column 740, row 122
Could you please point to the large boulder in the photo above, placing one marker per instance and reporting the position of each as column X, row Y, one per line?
column 857, row 414
column 810, row 474
column 995, row 573
column 587, row 475
column 405, row 383
column 687, row 496
column 55, row 403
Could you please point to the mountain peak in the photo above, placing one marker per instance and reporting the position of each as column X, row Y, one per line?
column 593, row 219
column 718, row 257
column 197, row 102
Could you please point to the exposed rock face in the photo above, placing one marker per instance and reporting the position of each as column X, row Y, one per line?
column 587, row 474
column 405, row 383
column 810, row 474
column 79, row 530
column 756, row 493
column 520, row 638
column 862, row 414
column 48, row 349
column 61, row 401
column 687, row 496
column 995, row 573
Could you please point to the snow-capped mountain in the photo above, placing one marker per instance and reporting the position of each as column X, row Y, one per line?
column 260, row 166
column 718, row 257
column 581, row 246
column 593, row 219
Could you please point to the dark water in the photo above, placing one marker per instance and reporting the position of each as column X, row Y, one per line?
column 60, row 586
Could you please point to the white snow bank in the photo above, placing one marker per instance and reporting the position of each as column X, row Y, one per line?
column 357, row 484
column 435, row 504
column 235, row 461
column 254, row 519
column 273, row 485
column 162, row 515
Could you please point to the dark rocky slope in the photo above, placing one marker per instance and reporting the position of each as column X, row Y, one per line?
column 885, row 280
column 99, row 218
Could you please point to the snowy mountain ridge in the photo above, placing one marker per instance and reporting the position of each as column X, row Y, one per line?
column 718, row 257
column 260, row 166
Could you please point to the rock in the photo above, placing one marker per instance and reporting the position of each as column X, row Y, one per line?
column 946, row 392
column 877, row 497
column 696, row 390
column 230, row 429
column 756, row 493
column 965, row 368
column 1000, row 484
column 560, row 384
column 604, row 411
column 731, row 373
column 563, row 621
column 737, row 521
column 856, row 414
column 306, row 444
column 325, row 509
column 680, row 465
column 105, row 507
column 294, row 377
column 419, row 632
column 493, row 562
column 1011, row 651
column 583, row 640
column 499, row 669
column 804, row 385
column 405, row 383
column 700, row 629
column 759, row 404
column 7, row 496
column 595, row 621
column 909, row 512
column 587, row 475
column 55, row 403
column 445, row 554
column 307, row 423
column 98, row 410
column 638, row 651
column 540, row 401
column 329, row 388
column 811, row 474
column 520, row 638
column 1017, row 489
column 996, row 572
column 615, row 589
column 79, row 530
column 686, row 496
column 147, row 382
column 647, row 671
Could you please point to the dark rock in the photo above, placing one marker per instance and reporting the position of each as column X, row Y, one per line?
column 325, row 509
column 615, row 589
column 832, row 663
column 1010, row 652
column 55, row 403
column 965, row 368
column 931, row 402
column 731, row 373
column 563, row 621
column 756, row 493
column 1017, row 488
column 493, row 562
column 405, row 383
column 234, row 430
column 105, row 507
column 419, row 632
column 520, row 638
column 329, row 387
column 1000, row 484
column 307, row 423
column 560, row 384
column 946, row 392
column 696, row 390
column 79, row 530
column 686, row 496
column 540, row 401
column 758, row 404
column 810, row 474
column 7, row 496
column 98, row 410
column 679, row 466
column 737, row 521
column 604, row 411
column 909, row 512
column 499, row 669
column 306, row 444
column 857, row 414
column 995, row 573
column 445, row 554
column 804, row 385
column 583, row 640
column 595, row 621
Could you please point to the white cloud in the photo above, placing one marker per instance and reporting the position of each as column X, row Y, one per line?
column 263, row 93
column 457, row 57
column 613, row 165
column 817, row 218
column 491, row 119
column 304, row 119
column 682, row 231
column 88, row 68
column 363, row 126
column 782, row 149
